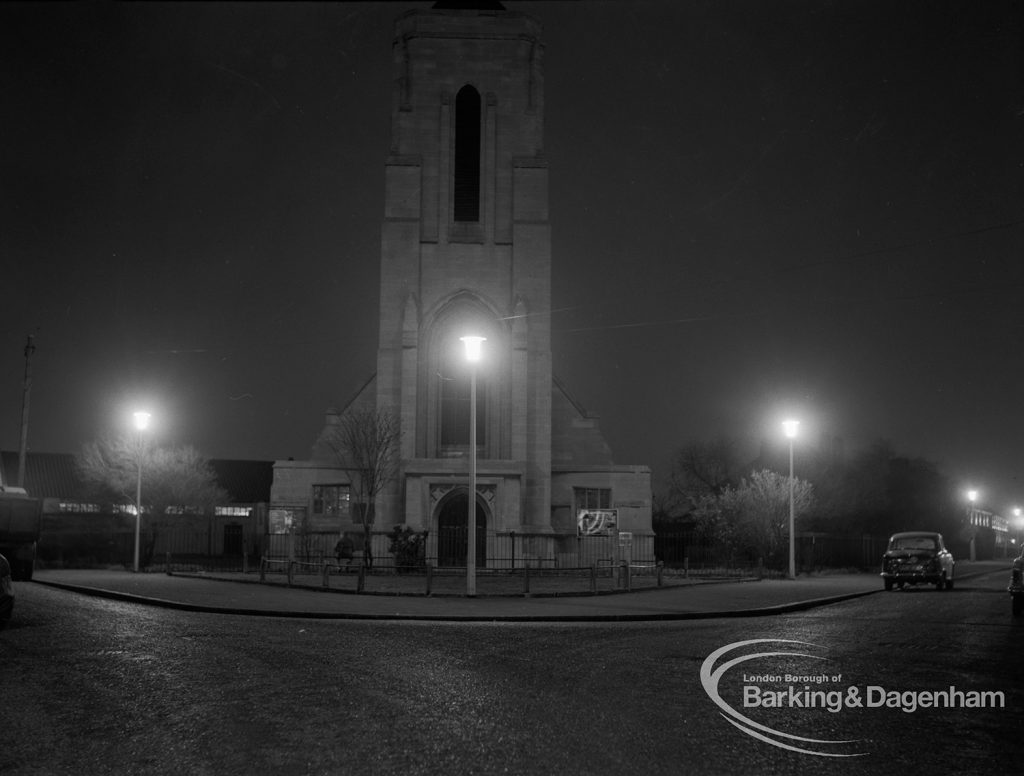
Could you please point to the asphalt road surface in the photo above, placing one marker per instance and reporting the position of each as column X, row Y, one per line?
column 91, row 686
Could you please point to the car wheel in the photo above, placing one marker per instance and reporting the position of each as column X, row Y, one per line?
column 888, row 584
column 949, row 584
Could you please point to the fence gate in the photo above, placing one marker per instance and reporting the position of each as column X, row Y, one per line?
column 233, row 542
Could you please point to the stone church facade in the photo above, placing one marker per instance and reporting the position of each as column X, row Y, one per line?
column 466, row 249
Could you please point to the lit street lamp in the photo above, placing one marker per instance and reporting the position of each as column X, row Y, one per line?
column 472, row 344
column 141, row 423
column 1018, row 522
column 972, row 496
column 790, row 427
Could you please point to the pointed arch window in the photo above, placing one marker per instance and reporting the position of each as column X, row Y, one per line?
column 455, row 403
column 466, row 204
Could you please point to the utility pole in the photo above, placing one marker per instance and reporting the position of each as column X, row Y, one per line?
column 30, row 348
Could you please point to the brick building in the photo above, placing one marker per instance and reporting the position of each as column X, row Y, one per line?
column 466, row 249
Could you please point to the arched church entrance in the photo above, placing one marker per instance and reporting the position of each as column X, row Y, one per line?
column 453, row 531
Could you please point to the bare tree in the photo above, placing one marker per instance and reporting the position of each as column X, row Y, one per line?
column 702, row 469
column 366, row 444
column 173, row 479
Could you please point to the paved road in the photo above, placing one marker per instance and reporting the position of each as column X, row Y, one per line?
column 92, row 685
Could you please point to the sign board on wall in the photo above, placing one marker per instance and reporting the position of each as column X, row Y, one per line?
column 280, row 521
column 597, row 522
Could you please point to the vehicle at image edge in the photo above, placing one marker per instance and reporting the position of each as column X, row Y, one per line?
column 915, row 558
column 20, row 523
column 1016, row 587
column 6, row 592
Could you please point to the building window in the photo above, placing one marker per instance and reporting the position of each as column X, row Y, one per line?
column 331, row 500
column 466, row 204
column 76, row 506
column 454, row 392
column 232, row 511
column 592, row 498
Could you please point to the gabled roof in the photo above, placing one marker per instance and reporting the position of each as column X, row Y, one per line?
column 53, row 475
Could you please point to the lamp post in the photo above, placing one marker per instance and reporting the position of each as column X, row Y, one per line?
column 141, row 424
column 972, row 496
column 790, row 427
column 473, row 347
column 1018, row 523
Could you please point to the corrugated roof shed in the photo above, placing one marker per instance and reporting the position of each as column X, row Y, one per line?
column 49, row 475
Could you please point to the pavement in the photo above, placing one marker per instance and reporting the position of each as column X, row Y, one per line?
column 678, row 599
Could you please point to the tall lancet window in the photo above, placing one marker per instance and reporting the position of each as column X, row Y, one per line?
column 467, row 155
column 455, row 403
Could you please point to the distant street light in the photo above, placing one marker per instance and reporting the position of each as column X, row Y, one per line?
column 141, row 424
column 972, row 496
column 473, row 353
column 790, row 428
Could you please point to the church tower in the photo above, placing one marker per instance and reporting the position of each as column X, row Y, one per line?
column 466, row 250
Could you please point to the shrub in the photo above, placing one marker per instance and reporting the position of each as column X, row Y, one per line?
column 409, row 548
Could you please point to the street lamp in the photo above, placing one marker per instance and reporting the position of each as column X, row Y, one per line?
column 1018, row 522
column 141, row 423
column 473, row 348
column 790, row 427
column 972, row 496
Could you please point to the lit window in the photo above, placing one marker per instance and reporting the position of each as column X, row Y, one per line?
column 331, row 500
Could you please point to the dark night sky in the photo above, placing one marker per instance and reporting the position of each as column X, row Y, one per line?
column 758, row 208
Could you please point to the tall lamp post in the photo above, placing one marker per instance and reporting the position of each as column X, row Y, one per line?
column 790, row 427
column 141, row 424
column 972, row 496
column 473, row 348
column 1018, row 523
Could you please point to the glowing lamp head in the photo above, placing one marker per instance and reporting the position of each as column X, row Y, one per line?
column 141, row 420
column 972, row 496
column 473, row 347
column 789, row 427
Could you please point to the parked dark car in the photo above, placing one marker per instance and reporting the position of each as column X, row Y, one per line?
column 1016, row 587
column 6, row 592
column 917, row 557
